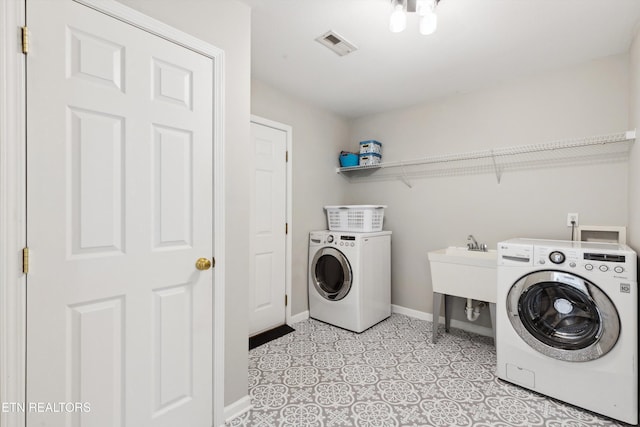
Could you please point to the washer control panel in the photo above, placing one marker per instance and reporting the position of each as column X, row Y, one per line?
column 557, row 257
column 515, row 254
column 584, row 260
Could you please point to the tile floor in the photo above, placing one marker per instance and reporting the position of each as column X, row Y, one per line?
column 391, row 375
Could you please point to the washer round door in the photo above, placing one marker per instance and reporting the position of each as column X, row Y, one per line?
column 563, row 316
column 331, row 274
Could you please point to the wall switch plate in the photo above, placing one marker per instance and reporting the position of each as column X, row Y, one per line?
column 572, row 217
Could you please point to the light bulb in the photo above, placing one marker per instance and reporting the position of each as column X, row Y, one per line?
column 398, row 21
column 428, row 22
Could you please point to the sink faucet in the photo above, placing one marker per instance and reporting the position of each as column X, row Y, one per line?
column 474, row 246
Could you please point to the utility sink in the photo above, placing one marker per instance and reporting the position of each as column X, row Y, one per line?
column 464, row 273
column 456, row 255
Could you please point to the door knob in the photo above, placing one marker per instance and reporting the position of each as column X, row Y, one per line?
column 203, row 264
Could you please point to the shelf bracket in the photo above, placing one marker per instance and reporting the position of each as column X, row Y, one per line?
column 495, row 167
column 404, row 177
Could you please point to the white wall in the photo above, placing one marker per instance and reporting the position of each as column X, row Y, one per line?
column 318, row 138
column 437, row 212
column 226, row 24
column 634, row 162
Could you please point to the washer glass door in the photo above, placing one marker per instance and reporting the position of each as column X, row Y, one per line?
column 563, row 316
column 331, row 274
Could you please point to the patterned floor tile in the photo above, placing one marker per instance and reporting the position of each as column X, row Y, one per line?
column 391, row 375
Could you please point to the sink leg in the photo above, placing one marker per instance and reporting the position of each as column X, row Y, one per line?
column 492, row 312
column 448, row 300
column 437, row 302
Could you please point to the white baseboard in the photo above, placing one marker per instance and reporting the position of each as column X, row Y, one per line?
column 470, row 327
column 412, row 313
column 237, row 408
column 465, row 326
column 299, row 317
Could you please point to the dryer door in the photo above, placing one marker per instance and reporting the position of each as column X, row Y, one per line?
column 331, row 274
column 563, row 316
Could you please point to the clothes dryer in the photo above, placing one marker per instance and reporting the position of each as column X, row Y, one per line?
column 350, row 278
column 567, row 323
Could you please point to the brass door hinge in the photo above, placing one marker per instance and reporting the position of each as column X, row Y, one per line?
column 286, row 228
column 25, row 40
column 286, row 300
column 25, row 260
column 286, row 156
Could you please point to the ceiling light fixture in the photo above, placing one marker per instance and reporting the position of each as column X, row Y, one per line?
column 398, row 20
column 425, row 8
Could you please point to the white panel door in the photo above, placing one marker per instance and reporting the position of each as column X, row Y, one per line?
column 120, row 202
column 267, row 293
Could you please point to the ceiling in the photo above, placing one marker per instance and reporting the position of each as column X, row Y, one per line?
column 478, row 43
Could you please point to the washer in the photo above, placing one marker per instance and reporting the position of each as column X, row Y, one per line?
column 350, row 278
column 566, row 323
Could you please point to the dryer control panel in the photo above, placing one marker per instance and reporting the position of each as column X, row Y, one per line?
column 330, row 238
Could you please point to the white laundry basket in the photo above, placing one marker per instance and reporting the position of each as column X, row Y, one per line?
column 355, row 218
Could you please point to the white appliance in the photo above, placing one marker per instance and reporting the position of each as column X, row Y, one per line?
column 350, row 278
column 567, row 323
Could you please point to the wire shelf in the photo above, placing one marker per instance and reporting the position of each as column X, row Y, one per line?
column 589, row 150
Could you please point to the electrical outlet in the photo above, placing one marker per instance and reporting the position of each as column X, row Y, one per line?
column 572, row 217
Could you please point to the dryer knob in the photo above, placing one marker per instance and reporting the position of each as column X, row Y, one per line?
column 329, row 238
column 557, row 257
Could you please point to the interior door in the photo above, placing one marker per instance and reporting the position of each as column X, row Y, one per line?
column 120, row 202
column 267, row 292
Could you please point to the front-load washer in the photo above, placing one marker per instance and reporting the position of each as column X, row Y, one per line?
column 566, row 323
column 350, row 278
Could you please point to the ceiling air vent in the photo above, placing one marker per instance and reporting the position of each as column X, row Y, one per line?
column 336, row 43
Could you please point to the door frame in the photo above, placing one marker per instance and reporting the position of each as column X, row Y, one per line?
column 288, row 130
column 12, row 210
column 13, row 233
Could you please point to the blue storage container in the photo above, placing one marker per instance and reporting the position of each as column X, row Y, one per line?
column 348, row 159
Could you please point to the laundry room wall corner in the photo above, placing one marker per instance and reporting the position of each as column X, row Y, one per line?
column 634, row 161
column 441, row 210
